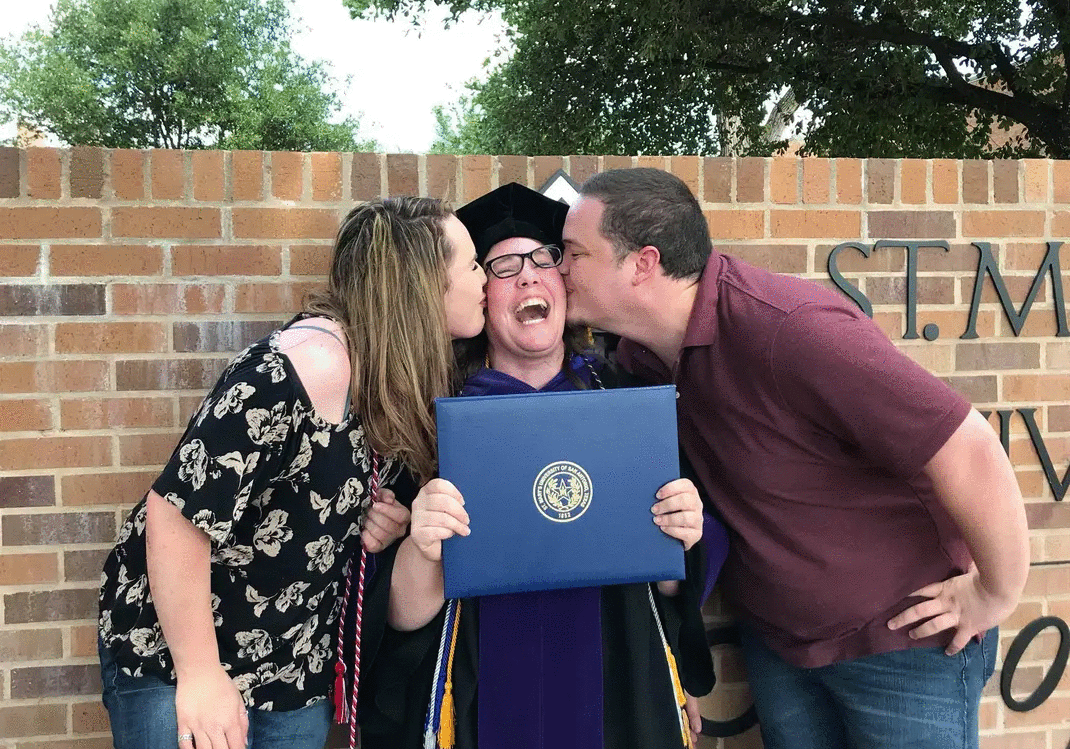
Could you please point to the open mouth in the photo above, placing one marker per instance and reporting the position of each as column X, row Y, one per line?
column 532, row 311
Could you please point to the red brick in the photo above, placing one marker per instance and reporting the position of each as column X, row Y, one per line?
column 52, row 299
column 165, row 299
column 226, row 260
column 817, row 180
column 209, row 177
column 147, row 449
column 19, row 259
column 1061, row 181
column 49, row 223
column 32, row 720
column 945, row 181
column 54, row 452
column 110, row 413
column 77, row 743
column 1005, row 181
column 997, row 355
column 84, row 565
column 83, row 641
column 310, row 260
column 912, row 181
column 717, row 180
column 105, row 260
column 50, row 606
column 1017, row 286
column 220, row 335
column 31, row 645
column 442, row 180
column 125, row 488
column 848, row 181
column 28, row 569
column 545, row 167
column 510, row 169
column 25, row 415
column 911, row 224
column 43, row 173
column 10, row 172
column 326, row 176
column 110, row 337
column 651, row 162
column 366, row 178
column 287, row 175
column 883, row 260
column 168, row 174
column 1047, row 515
column 974, row 388
column 402, row 174
column 736, row 224
column 799, row 224
column 975, row 182
column 89, row 717
column 53, row 376
column 269, row 298
column 87, row 172
column 188, row 405
column 880, row 178
column 128, row 174
column 684, row 167
column 784, row 180
column 27, row 491
column 1037, row 174
column 167, row 374
column 1060, row 224
column 750, row 180
column 1030, row 388
column 247, row 175
column 997, row 224
column 161, row 223
column 285, row 223
column 476, row 173
column 779, row 258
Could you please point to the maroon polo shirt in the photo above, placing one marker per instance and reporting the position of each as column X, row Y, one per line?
column 809, row 431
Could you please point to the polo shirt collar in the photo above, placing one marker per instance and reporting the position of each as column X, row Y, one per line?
column 702, row 324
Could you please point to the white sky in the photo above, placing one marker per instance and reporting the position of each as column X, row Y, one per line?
column 397, row 72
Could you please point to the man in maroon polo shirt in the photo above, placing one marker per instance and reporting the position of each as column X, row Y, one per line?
column 878, row 533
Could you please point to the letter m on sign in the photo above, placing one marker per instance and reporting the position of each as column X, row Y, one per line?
column 986, row 264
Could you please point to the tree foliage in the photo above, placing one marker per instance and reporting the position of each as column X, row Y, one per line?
column 172, row 74
column 889, row 78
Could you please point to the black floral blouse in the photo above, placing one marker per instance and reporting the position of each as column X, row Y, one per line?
column 281, row 494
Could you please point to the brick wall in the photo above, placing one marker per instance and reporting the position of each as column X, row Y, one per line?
column 127, row 278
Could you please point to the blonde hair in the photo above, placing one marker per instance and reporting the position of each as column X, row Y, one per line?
column 387, row 283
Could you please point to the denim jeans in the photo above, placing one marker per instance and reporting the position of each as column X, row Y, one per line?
column 142, row 714
column 918, row 698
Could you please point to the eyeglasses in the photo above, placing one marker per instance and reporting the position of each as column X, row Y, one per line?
column 507, row 266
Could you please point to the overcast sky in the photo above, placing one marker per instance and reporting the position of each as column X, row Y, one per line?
column 397, row 73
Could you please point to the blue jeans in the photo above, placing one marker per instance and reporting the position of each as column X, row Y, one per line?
column 142, row 714
column 918, row 698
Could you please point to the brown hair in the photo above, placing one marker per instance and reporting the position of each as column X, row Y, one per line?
column 387, row 281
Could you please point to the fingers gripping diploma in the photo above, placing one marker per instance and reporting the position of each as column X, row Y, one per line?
column 384, row 523
column 961, row 604
column 437, row 514
column 678, row 511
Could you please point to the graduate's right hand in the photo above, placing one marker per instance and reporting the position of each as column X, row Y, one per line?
column 437, row 514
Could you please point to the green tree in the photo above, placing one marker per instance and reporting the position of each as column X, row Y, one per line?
column 890, row 78
column 172, row 74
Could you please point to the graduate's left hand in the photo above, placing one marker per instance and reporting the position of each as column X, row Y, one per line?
column 679, row 511
column 385, row 522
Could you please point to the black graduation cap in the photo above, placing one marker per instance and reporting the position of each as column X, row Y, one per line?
column 512, row 211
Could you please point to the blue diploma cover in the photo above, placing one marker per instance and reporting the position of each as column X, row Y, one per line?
column 558, row 488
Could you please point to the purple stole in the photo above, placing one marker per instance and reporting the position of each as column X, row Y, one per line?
column 540, row 654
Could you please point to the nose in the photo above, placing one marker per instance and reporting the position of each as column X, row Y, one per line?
column 529, row 272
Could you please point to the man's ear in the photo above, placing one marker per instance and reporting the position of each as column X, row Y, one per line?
column 647, row 263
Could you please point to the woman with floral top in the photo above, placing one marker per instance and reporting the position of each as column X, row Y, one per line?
column 220, row 603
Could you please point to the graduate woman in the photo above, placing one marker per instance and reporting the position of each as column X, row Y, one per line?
column 591, row 667
column 219, row 605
